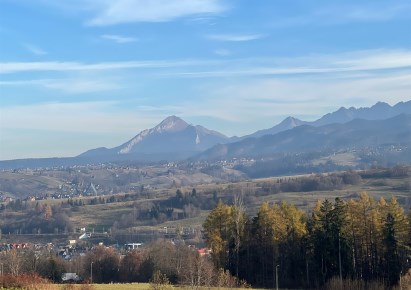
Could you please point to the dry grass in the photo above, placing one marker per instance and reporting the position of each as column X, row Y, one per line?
column 127, row 286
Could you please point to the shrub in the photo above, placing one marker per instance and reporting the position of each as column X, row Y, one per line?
column 160, row 281
column 25, row 281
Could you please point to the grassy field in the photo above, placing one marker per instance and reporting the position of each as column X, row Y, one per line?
column 130, row 286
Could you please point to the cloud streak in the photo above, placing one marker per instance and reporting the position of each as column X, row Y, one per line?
column 234, row 37
column 64, row 66
column 346, row 62
column 127, row 11
column 337, row 14
column 222, row 52
column 118, row 38
column 68, row 85
column 34, row 49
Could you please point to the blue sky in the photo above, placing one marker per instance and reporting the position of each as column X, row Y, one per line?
column 76, row 75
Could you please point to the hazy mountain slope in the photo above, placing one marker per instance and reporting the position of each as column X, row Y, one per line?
column 357, row 133
column 286, row 124
column 174, row 139
column 172, row 135
column 379, row 111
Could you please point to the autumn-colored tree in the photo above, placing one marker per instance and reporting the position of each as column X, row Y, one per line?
column 292, row 258
column 364, row 225
column 47, row 211
column 218, row 229
column 277, row 239
column 263, row 244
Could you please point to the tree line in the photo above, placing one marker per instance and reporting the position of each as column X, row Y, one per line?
column 175, row 261
column 359, row 239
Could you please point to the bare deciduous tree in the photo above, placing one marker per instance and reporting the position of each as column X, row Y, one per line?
column 198, row 271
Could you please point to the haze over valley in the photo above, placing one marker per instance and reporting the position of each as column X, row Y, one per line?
column 205, row 144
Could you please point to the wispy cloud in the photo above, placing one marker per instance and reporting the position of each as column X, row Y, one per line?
column 118, row 38
column 68, row 85
column 350, row 62
column 80, row 86
column 222, row 52
column 337, row 14
column 234, row 37
column 355, row 61
column 369, row 13
column 14, row 67
column 126, row 11
column 34, row 49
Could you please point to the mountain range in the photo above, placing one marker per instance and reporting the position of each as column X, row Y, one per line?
column 379, row 111
column 355, row 134
column 175, row 139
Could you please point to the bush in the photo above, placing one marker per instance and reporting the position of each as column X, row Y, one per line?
column 27, row 282
column 226, row 280
column 160, row 281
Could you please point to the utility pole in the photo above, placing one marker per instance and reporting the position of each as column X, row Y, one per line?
column 276, row 277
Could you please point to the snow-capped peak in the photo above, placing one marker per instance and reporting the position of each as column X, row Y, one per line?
column 171, row 124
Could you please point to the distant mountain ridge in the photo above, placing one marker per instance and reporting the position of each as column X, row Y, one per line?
column 357, row 133
column 172, row 135
column 174, row 139
column 379, row 111
column 286, row 124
